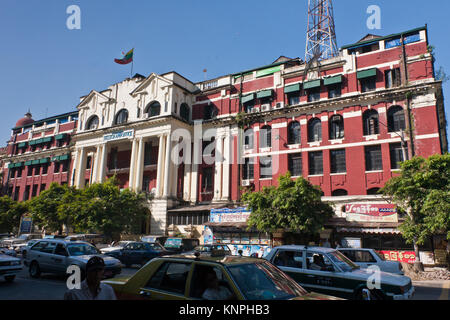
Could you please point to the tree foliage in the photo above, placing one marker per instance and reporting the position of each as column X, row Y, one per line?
column 293, row 205
column 10, row 213
column 423, row 191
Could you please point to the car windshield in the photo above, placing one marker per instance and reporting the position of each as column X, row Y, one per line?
column 80, row 249
column 342, row 261
column 262, row 281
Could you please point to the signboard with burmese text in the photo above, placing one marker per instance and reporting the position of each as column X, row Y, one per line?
column 371, row 212
column 119, row 135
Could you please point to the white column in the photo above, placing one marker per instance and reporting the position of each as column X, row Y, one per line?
column 140, row 166
column 167, row 167
column 187, row 182
column 96, row 161
column 159, row 172
column 218, row 170
column 102, row 168
column 226, row 168
column 132, row 165
column 196, row 156
column 81, row 168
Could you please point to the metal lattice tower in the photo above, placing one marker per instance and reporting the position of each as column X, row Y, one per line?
column 321, row 36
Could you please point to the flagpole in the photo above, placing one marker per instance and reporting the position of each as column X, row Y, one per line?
column 132, row 65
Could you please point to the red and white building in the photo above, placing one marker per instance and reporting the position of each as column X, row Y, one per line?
column 342, row 123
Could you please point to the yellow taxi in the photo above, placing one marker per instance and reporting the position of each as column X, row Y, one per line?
column 195, row 277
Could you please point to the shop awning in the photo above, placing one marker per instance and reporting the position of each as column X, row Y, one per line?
column 45, row 160
column 311, row 84
column 369, row 230
column 45, row 140
column 35, row 162
column 32, row 142
column 367, row 73
column 332, row 80
column 60, row 136
column 248, row 98
column 64, row 157
column 264, row 94
column 18, row 165
column 28, row 163
column 22, row 145
column 11, row 165
column 292, row 88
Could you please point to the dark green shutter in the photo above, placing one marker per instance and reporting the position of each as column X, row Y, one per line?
column 311, row 84
column 264, row 94
column 292, row 88
column 367, row 73
column 332, row 80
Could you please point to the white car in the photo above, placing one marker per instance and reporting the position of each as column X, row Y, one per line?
column 118, row 246
column 369, row 257
column 26, row 246
column 9, row 267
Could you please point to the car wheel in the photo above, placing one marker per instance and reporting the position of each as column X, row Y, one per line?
column 10, row 278
column 374, row 294
column 35, row 271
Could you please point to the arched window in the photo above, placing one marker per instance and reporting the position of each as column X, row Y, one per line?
column 294, row 133
column 373, row 191
column 396, row 119
column 92, row 123
column 339, row 193
column 314, row 130
column 265, row 138
column 153, row 109
column 184, row 111
column 248, row 139
column 121, row 117
column 370, row 122
column 336, row 127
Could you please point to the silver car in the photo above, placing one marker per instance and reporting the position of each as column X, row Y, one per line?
column 9, row 267
column 369, row 257
column 55, row 256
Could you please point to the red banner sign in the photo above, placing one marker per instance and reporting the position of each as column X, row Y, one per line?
column 400, row 256
column 371, row 212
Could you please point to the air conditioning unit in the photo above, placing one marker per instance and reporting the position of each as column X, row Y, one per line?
column 246, row 183
column 266, row 107
column 255, row 110
column 279, row 105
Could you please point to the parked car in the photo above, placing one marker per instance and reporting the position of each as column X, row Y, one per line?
column 115, row 246
column 8, row 252
column 52, row 236
column 91, row 238
column 138, row 253
column 24, row 249
column 153, row 239
column 9, row 267
column 55, row 256
column 15, row 243
column 328, row 271
column 211, row 250
column 182, row 277
column 180, row 245
column 369, row 257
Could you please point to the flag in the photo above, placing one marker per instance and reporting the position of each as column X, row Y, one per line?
column 126, row 59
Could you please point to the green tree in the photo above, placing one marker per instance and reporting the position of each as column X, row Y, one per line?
column 10, row 214
column 293, row 205
column 422, row 190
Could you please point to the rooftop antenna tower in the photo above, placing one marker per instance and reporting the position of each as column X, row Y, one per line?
column 321, row 35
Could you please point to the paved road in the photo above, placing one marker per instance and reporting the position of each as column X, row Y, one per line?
column 51, row 287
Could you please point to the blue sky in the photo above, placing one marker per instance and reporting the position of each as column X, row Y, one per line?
column 46, row 67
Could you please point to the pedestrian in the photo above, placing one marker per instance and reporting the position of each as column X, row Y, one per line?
column 91, row 287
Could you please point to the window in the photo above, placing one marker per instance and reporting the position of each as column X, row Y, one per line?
column 248, row 170
column 61, row 250
column 34, row 192
column 392, row 78
column 207, row 179
column 248, row 106
column 209, row 112
column 396, row 154
column 318, row 262
column 65, row 165
column 26, row 194
column 315, row 163
column 148, row 154
column 334, row 91
column 153, row 109
column 293, row 98
column 42, row 187
column 113, row 159
column 248, row 139
column 337, row 158
column 265, row 165
column 314, row 130
column 19, row 173
column 146, row 184
column 363, row 256
column 368, row 84
column 39, row 246
column 396, row 119
column 92, row 123
column 171, row 277
column 313, row 94
column 336, row 127
column 290, row 259
column 200, row 277
column 294, row 133
column 121, row 117
column 373, row 158
column 184, row 111
column 88, row 163
column 370, row 122
column 295, row 164
column 29, row 171
column 16, row 194
column 265, row 137
column 373, row 191
column 339, row 193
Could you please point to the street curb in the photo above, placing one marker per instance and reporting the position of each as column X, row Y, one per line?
column 432, row 283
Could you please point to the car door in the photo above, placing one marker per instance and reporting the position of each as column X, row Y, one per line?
column 126, row 254
column 60, row 258
column 320, row 277
column 47, row 258
column 169, row 282
column 292, row 262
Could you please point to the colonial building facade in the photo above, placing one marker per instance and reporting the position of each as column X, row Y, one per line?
column 344, row 124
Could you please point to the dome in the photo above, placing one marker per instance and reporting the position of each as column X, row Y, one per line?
column 25, row 120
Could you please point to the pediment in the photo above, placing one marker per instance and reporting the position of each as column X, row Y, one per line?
column 143, row 87
column 101, row 99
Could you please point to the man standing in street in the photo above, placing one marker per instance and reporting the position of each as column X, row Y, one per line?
column 91, row 287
